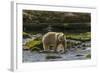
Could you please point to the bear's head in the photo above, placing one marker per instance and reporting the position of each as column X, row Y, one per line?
column 60, row 37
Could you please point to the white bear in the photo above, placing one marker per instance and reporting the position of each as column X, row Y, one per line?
column 51, row 40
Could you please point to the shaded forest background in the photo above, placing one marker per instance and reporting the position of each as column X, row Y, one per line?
column 44, row 21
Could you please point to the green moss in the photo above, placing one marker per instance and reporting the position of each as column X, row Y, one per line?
column 38, row 39
column 88, row 56
column 26, row 35
column 32, row 43
column 33, row 33
column 35, row 49
column 79, row 36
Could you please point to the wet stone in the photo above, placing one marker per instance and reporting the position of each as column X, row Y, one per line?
column 79, row 55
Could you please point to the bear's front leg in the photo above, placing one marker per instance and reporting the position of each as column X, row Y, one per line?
column 46, row 48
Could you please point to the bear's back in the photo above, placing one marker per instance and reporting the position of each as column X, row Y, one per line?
column 49, row 37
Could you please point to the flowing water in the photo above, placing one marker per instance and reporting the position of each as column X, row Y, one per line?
column 78, row 54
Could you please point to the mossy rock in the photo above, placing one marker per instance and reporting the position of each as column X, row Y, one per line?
column 79, row 36
column 88, row 56
column 26, row 35
column 34, row 45
column 38, row 39
column 35, row 49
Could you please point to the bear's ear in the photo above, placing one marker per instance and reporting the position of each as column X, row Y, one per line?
column 61, row 34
